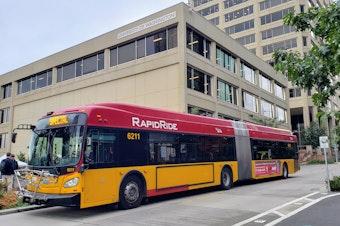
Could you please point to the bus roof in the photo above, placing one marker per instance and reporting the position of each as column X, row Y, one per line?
column 145, row 118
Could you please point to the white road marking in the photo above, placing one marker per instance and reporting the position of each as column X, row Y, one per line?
column 285, row 216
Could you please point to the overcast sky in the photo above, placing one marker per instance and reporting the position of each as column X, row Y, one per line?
column 33, row 29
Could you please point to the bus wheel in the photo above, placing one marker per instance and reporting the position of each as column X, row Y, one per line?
column 226, row 178
column 130, row 193
column 284, row 171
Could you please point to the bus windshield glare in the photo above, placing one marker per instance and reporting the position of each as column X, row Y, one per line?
column 57, row 141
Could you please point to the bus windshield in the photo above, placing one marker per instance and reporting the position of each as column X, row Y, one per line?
column 56, row 146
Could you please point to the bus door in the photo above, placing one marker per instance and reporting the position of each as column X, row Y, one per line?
column 243, row 151
column 99, row 177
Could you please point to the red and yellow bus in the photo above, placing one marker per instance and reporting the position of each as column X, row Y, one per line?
column 118, row 153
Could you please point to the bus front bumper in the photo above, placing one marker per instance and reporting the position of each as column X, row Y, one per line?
column 51, row 199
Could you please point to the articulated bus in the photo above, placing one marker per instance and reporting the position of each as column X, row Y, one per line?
column 113, row 153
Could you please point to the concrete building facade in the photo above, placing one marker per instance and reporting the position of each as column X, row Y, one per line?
column 258, row 25
column 174, row 59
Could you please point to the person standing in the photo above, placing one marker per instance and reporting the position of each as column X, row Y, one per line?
column 7, row 171
column 15, row 166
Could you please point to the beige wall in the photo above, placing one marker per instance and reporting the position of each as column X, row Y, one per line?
column 159, row 88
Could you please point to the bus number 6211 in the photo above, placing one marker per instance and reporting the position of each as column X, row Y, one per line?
column 133, row 136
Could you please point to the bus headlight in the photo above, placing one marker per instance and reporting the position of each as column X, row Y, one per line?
column 71, row 183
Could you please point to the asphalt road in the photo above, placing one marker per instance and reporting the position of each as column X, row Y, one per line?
column 300, row 200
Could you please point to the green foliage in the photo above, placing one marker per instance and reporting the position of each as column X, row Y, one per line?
column 22, row 157
column 311, row 134
column 272, row 122
column 320, row 65
column 335, row 183
column 317, row 161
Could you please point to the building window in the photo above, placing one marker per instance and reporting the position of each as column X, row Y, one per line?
column 198, row 43
column 246, row 39
column 200, row 2
column 226, row 92
column 265, row 83
column 3, row 140
column 279, row 91
column 304, row 40
column 215, row 21
column 249, row 101
column 126, row 52
column 199, row 111
column 209, row 10
column 281, row 114
column 240, row 27
column 238, row 13
column 231, row 3
column 271, row 3
column 309, row 92
column 198, row 81
column 302, row 8
column 225, row 59
column 220, row 116
column 4, row 117
column 248, row 73
column 294, row 92
column 155, row 43
column 266, row 109
column 277, row 31
column 287, row 44
column 81, row 66
column 6, row 91
column 172, row 37
column 35, row 82
column 275, row 16
column 144, row 46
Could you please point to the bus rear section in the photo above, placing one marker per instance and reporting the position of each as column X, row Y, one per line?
column 264, row 152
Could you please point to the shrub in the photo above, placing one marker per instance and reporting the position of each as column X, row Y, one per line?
column 316, row 161
column 335, row 183
column 7, row 199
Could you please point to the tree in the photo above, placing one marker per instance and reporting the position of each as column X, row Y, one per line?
column 319, row 67
column 311, row 134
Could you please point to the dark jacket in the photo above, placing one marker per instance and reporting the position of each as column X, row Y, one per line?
column 7, row 166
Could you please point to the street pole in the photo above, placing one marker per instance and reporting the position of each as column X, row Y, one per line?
column 323, row 141
column 327, row 171
column 335, row 145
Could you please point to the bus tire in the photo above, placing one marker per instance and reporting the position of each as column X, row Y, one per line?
column 284, row 171
column 130, row 192
column 226, row 178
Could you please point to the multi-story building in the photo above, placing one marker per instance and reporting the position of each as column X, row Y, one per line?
column 174, row 59
column 258, row 25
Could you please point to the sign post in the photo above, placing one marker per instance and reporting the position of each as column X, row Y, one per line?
column 323, row 141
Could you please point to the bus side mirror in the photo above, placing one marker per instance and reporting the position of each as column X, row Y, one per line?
column 14, row 136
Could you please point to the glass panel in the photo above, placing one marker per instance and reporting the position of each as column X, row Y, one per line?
column 126, row 53
column 33, row 82
column 68, row 71
column 90, row 64
column 59, row 74
column 266, row 108
column 25, row 85
column 79, row 68
column 41, row 80
column 113, row 57
column 172, row 38
column 249, row 102
column 141, row 48
column 49, row 78
column 100, row 61
column 156, row 43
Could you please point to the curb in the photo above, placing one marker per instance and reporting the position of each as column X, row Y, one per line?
column 21, row 209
